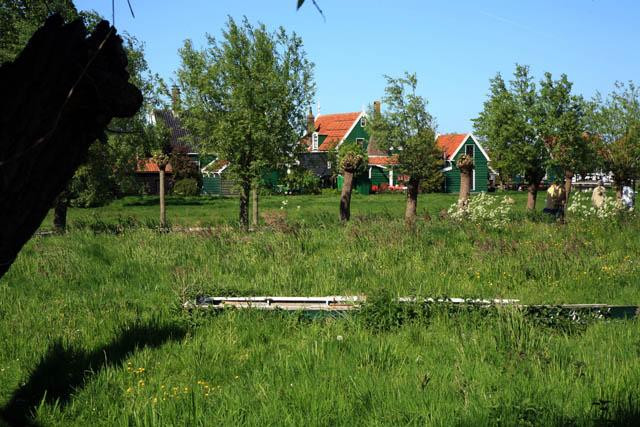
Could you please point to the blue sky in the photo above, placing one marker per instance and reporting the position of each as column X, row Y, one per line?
column 455, row 47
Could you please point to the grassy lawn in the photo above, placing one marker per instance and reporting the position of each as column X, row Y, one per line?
column 92, row 331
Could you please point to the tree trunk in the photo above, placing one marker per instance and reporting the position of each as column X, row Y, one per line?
column 163, row 214
column 465, row 188
column 245, row 189
column 60, row 213
column 254, row 205
column 568, row 176
column 618, row 184
column 345, row 197
column 410, row 212
column 532, row 196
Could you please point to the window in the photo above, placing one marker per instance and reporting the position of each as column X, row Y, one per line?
column 360, row 141
column 314, row 141
column 469, row 150
column 328, row 165
column 363, row 121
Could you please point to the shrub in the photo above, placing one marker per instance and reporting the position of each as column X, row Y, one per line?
column 483, row 209
column 301, row 181
column 581, row 208
column 186, row 187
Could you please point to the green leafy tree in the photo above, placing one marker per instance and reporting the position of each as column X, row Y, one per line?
column 508, row 127
column 562, row 121
column 245, row 99
column 407, row 129
column 19, row 19
column 352, row 160
column 616, row 126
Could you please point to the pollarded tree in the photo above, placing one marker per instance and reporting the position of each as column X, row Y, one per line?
column 466, row 165
column 508, row 126
column 245, row 99
column 616, row 122
column 408, row 129
column 352, row 159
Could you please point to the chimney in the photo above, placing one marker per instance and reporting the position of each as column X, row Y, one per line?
column 311, row 125
column 175, row 98
column 376, row 109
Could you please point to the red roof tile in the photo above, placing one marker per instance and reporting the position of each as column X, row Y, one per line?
column 381, row 161
column 335, row 127
column 149, row 166
column 450, row 142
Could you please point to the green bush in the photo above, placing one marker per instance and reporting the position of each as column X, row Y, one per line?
column 186, row 187
column 301, row 181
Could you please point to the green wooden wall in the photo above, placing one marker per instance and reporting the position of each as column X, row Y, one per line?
column 452, row 177
column 358, row 132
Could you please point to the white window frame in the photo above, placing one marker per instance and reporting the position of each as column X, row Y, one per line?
column 328, row 165
column 314, row 141
column 473, row 153
column 473, row 180
column 363, row 121
column 360, row 140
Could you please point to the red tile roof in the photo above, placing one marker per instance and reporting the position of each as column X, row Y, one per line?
column 149, row 166
column 450, row 142
column 335, row 127
column 381, row 161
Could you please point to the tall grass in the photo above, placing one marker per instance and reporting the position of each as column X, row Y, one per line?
column 92, row 332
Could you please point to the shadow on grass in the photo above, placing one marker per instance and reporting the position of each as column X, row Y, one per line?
column 175, row 201
column 63, row 369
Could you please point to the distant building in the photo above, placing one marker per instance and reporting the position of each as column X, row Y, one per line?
column 454, row 145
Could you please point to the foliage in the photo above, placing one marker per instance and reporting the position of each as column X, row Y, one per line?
column 183, row 167
column 93, row 183
column 352, row 157
column 507, row 126
column 186, row 187
column 407, row 130
column 562, row 121
column 616, row 124
column 301, row 181
column 245, row 97
column 432, row 184
column 483, row 210
column 19, row 19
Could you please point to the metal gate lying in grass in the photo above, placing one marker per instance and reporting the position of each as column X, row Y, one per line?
column 340, row 304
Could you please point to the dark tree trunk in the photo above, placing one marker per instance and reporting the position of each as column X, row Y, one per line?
column 618, row 183
column 163, row 212
column 345, row 197
column 56, row 99
column 254, row 205
column 245, row 188
column 60, row 213
column 532, row 195
column 568, row 176
column 465, row 188
column 410, row 212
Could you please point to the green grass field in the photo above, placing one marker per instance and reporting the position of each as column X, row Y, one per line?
column 92, row 331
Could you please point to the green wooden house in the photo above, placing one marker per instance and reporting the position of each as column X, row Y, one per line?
column 327, row 132
column 453, row 146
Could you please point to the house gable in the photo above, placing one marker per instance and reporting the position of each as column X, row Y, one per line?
column 454, row 146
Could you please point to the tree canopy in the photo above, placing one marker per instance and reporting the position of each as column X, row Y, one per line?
column 245, row 98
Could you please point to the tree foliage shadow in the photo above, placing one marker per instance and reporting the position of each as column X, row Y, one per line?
column 170, row 201
column 64, row 369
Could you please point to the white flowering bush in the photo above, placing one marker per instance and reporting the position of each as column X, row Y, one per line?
column 483, row 209
column 581, row 208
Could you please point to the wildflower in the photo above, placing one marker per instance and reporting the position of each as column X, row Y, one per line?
column 141, row 383
column 339, row 338
column 130, row 389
